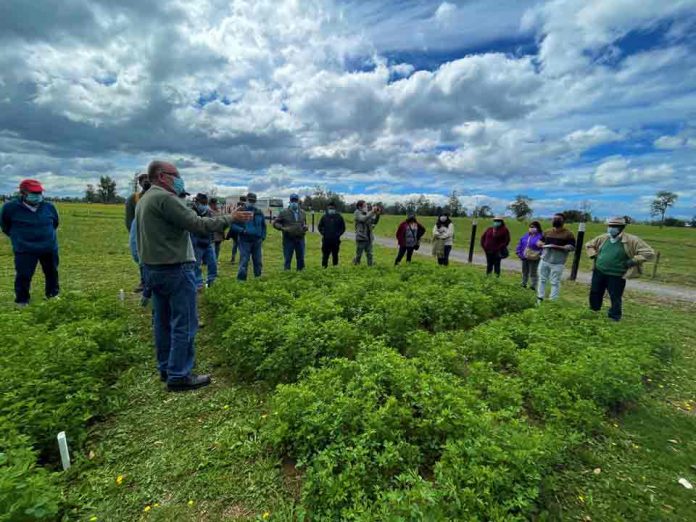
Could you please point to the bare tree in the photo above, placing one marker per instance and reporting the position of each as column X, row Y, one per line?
column 663, row 201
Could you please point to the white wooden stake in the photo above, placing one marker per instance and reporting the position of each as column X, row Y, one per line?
column 63, row 447
column 121, row 295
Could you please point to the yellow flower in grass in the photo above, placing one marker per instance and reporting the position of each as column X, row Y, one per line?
column 266, row 515
column 119, row 480
column 93, row 519
column 190, row 503
column 147, row 508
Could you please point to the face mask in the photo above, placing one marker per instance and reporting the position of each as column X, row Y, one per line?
column 178, row 186
column 331, row 211
column 613, row 231
column 443, row 219
column 203, row 208
column 532, row 230
column 294, row 205
column 557, row 223
column 33, row 199
column 497, row 224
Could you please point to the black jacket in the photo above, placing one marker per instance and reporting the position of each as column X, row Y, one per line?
column 332, row 226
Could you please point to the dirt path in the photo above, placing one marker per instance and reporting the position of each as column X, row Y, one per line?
column 513, row 264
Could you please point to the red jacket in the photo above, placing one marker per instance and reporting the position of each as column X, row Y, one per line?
column 495, row 239
column 401, row 232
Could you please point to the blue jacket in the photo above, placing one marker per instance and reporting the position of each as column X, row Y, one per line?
column 30, row 232
column 251, row 230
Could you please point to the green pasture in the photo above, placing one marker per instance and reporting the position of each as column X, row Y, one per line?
column 677, row 246
column 198, row 456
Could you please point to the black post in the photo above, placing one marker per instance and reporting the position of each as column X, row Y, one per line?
column 312, row 221
column 578, row 251
column 474, row 223
column 270, row 214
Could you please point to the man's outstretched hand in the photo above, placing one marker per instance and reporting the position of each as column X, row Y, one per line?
column 241, row 216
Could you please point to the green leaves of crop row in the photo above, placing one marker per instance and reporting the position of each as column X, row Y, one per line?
column 59, row 360
column 277, row 328
column 427, row 394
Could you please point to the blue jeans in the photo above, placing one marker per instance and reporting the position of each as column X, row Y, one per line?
column 205, row 255
column 132, row 243
column 293, row 246
column 247, row 250
column 175, row 317
column 235, row 247
column 25, row 266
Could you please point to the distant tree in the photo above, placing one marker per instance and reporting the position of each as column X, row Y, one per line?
column 520, row 207
column 586, row 207
column 576, row 216
column 454, row 207
column 90, row 194
column 106, row 190
column 483, row 211
column 320, row 199
column 674, row 222
column 693, row 221
column 663, row 201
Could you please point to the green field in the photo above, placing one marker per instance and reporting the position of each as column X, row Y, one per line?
column 677, row 246
column 225, row 453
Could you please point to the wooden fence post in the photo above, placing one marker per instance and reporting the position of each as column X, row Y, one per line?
column 578, row 252
column 474, row 224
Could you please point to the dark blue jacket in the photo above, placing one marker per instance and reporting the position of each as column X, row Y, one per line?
column 30, row 232
column 251, row 230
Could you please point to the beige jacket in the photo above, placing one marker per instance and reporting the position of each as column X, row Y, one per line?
column 636, row 249
column 446, row 234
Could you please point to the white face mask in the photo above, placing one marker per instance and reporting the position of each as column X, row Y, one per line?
column 443, row 219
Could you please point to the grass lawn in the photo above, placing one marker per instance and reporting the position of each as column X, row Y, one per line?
column 677, row 246
column 197, row 456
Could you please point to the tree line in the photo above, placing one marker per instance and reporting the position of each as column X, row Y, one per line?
column 105, row 191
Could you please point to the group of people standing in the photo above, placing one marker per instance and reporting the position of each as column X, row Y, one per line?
column 543, row 253
column 616, row 256
column 171, row 241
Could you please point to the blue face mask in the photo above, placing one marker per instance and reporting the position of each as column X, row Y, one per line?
column 613, row 231
column 497, row 224
column 294, row 205
column 331, row 211
column 179, row 186
column 33, row 199
column 203, row 208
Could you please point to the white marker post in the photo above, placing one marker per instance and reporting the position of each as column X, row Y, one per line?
column 64, row 453
column 121, row 295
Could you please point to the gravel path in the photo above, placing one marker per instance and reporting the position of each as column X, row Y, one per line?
column 513, row 264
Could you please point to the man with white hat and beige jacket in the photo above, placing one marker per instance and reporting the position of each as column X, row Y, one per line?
column 617, row 256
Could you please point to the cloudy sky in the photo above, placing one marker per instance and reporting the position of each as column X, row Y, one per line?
column 565, row 101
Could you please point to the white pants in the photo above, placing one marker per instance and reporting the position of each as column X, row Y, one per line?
column 552, row 273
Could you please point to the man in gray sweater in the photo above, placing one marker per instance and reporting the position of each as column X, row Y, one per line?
column 164, row 224
column 364, row 225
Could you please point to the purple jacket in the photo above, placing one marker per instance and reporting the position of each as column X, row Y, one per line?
column 528, row 240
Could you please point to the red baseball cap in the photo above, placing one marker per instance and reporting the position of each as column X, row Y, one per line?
column 30, row 185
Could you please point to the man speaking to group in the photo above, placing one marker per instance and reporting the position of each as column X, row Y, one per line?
column 164, row 245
